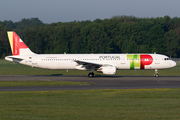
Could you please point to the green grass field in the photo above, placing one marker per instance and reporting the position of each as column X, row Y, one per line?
column 9, row 68
column 131, row 104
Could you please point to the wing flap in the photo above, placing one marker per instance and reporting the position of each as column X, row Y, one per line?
column 88, row 64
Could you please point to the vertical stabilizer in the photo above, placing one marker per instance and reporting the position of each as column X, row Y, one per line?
column 18, row 47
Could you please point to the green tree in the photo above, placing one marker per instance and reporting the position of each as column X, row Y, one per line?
column 2, row 24
column 121, row 34
column 172, row 41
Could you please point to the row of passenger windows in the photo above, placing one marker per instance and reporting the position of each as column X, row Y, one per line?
column 90, row 59
column 72, row 59
column 98, row 59
column 142, row 59
column 55, row 59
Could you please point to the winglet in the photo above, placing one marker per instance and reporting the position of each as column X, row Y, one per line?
column 18, row 47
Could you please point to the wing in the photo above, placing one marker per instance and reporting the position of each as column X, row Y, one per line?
column 104, row 68
column 89, row 65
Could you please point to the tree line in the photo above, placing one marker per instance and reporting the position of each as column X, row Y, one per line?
column 120, row 34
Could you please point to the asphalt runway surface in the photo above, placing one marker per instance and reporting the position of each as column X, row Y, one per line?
column 100, row 82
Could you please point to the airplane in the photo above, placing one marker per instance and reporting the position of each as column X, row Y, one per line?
column 104, row 63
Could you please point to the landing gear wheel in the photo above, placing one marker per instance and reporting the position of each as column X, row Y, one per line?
column 157, row 75
column 91, row 75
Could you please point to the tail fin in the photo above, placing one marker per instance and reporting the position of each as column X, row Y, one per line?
column 18, row 47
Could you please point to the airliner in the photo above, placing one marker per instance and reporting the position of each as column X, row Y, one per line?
column 104, row 63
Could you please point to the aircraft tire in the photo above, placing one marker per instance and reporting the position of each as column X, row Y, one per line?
column 90, row 75
column 156, row 75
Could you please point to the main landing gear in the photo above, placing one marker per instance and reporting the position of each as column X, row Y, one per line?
column 91, row 74
column 156, row 73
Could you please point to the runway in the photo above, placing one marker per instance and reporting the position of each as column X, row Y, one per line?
column 100, row 82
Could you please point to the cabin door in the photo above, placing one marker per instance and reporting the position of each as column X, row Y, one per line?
column 122, row 60
column 34, row 61
column 156, row 60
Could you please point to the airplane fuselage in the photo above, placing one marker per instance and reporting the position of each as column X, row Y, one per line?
column 105, row 63
column 120, row 61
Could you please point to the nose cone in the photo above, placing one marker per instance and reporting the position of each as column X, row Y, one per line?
column 173, row 63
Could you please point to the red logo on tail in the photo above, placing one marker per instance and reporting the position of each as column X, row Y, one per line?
column 17, row 44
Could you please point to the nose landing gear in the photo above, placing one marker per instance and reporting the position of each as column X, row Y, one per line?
column 156, row 73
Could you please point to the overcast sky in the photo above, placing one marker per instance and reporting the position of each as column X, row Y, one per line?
column 50, row 11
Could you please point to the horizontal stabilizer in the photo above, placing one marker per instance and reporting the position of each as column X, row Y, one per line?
column 13, row 59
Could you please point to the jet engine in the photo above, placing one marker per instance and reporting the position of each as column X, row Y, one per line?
column 108, row 70
column 80, row 67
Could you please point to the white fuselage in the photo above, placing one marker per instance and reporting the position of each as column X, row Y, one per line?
column 105, row 63
column 120, row 61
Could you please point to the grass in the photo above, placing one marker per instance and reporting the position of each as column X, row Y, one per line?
column 38, row 83
column 136, row 104
column 9, row 68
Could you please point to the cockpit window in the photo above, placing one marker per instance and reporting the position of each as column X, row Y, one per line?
column 166, row 58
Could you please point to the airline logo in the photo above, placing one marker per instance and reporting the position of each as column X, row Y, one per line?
column 16, row 43
column 139, row 61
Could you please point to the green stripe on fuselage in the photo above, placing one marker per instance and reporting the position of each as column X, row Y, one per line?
column 134, row 61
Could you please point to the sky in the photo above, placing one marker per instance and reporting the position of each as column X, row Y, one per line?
column 49, row 11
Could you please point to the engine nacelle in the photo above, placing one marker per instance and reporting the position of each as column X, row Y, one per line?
column 108, row 70
column 80, row 67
